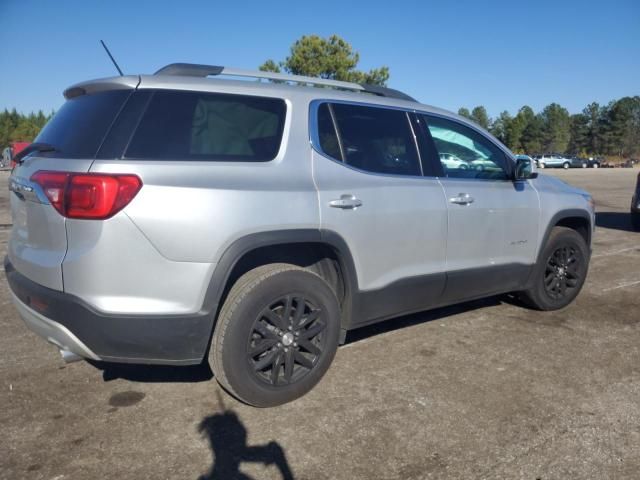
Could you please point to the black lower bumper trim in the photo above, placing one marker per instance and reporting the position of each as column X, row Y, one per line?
column 150, row 339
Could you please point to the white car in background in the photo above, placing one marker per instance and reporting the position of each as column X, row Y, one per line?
column 450, row 161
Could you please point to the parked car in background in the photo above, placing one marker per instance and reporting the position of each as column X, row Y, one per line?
column 578, row 162
column 553, row 160
column 594, row 162
column 635, row 205
column 450, row 161
column 6, row 158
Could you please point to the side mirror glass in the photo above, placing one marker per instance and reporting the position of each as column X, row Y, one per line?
column 525, row 169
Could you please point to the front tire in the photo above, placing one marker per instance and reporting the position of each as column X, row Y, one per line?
column 276, row 335
column 561, row 271
column 635, row 221
column 566, row 165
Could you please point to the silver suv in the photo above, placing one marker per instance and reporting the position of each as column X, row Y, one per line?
column 171, row 218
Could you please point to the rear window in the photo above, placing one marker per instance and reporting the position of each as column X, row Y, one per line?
column 209, row 126
column 77, row 129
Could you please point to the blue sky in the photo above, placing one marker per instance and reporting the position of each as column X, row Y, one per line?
column 501, row 54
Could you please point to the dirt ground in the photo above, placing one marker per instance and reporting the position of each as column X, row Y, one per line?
column 487, row 389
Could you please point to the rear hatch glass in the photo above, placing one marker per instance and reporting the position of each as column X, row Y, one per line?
column 38, row 242
column 77, row 129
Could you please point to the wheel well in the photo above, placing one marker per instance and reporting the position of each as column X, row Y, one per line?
column 321, row 258
column 579, row 224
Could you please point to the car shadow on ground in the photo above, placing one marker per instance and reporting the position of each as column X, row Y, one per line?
column 615, row 221
column 154, row 373
column 227, row 437
column 203, row 373
column 390, row 325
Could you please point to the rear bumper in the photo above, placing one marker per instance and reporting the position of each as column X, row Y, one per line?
column 71, row 324
column 53, row 332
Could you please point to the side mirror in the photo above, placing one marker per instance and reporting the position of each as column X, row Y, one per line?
column 525, row 169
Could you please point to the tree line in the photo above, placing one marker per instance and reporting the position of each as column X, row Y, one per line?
column 598, row 130
column 18, row 127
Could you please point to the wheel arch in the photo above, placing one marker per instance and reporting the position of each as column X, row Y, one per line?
column 576, row 219
column 303, row 247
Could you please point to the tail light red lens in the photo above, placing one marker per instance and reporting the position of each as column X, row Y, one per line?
column 88, row 195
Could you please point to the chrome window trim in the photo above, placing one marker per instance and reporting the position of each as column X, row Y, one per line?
column 314, row 138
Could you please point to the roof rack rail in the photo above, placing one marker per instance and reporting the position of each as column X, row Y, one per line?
column 197, row 70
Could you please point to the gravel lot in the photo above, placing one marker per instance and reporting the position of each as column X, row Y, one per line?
column 482, row 390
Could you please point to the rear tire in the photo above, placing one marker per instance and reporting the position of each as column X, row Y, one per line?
column 566, row 165
column 276, row 335
column 635, row 221
column 561, row 271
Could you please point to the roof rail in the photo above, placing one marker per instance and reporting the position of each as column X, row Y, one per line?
column 197, row 70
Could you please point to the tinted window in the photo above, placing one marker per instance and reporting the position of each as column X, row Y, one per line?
column 377, row 139
column 209, row 126
column 465, row 153
column 327, row 133
column 77, row 129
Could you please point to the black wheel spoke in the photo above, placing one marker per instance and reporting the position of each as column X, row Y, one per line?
column 549, row 279
column 563, row 286
column 300, row 304
column 289, row 363
column 309, row 346
column 286, row 312
column 275, row 319
column 265, row 361
column 275, row 369
column 302, row 360
column 262, row 346
column 309, row 318
column 314, row 330
column 264, row 331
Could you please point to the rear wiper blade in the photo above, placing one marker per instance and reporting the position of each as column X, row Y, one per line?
column 34, row 147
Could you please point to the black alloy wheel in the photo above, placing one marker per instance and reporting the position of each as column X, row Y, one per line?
column 276, row 334
column 562, row 272
column 286, row 340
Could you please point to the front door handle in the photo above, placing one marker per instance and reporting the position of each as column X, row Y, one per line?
column 346, row 202
column 462, row 199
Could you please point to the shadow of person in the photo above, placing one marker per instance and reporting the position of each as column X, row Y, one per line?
column 228, row 441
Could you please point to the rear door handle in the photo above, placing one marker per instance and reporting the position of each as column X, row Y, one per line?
column 462, row 199
column 346, row 202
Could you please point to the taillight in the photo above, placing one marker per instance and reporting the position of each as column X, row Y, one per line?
column 88, row 195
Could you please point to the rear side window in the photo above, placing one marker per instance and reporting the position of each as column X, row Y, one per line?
column 77, row 129
column 373, row 139
column 209, row 126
